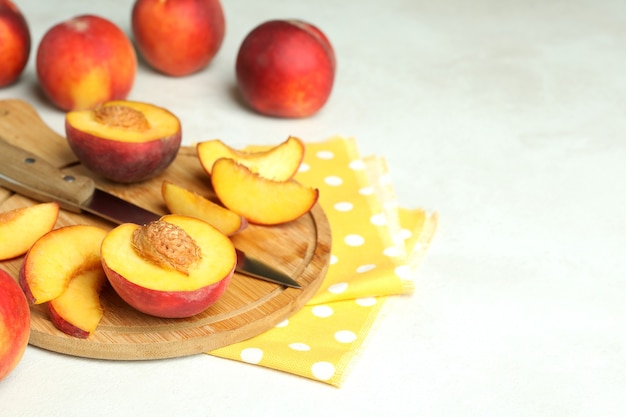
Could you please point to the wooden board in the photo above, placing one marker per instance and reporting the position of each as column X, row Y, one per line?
column 249, row 307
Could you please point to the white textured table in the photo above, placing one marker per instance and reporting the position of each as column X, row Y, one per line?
column 505, row 117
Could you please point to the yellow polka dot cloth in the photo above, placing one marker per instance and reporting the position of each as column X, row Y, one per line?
column 376, row 249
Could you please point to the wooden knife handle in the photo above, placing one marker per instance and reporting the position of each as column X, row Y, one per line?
column 30, row 175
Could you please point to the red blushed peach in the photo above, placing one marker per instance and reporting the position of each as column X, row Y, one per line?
column 178, row 37
column 175, row 267
column 124, row 141
column 285, row 68
column 85, row 61
column 15, row 42
column 14, row 324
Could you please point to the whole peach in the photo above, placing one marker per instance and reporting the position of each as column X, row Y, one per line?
column 85, row 61
column 14, row 324
column 286, row 68
column 14, row 43
column 178, row 37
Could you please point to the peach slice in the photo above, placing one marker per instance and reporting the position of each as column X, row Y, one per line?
column 174, row 267
column 278, row 163
column 180, row 200
column 23, row 226
column 260, row 200
column 58, row 256
column 77, row 311
column 124, row 141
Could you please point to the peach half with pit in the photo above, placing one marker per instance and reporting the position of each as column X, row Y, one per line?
column 23, row 226
column 77, row 311
column 180, row 200
column 278, row 163
column 174, row 267
column 124, row 141
column 260, row 200
column 58, row 256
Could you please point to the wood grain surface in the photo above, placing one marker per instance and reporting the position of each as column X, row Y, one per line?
column 249, row 307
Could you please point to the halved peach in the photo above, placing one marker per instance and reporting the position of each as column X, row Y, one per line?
column 23, row 226
column 77, row 311
column 278, row 163
column 174, row 267
column 124, row 141
column 260, row 200
column 180, row 200
column 56, row 257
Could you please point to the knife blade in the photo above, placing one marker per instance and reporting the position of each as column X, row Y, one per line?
column 32, row 176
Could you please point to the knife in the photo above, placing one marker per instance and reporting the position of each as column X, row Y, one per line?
column 33, row 177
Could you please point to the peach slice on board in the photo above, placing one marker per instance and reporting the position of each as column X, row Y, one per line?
column 180, row 200
column 278, row 163
column 23, row 226
column 258, row 199
column 56, row 257
column 174, row 267
column 77, row 311
column 124, row 141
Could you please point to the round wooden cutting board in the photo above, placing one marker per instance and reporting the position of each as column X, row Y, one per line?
column 249, row 307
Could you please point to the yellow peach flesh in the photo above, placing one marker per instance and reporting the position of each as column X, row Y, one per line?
column 258, row 199
column 58, row 256
column 161, row 123
column 188, row 203
column 22, row 227
column 278, row 163
column 79, row 305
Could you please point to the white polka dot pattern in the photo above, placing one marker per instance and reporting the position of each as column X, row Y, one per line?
column 354, row 240
column 345, row 336
column 338, row 288
column 344, row 206
column 368, row 263
column 301, row 347
column 333, row 181
column 252, row 355
column 322, row 311
column 323, row 370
